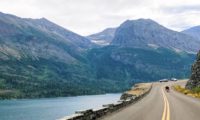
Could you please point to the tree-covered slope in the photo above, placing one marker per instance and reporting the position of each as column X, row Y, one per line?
column 108, row 69
column 28, row 78
column 136, row 64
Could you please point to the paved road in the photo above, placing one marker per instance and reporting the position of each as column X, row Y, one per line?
column 160, row 105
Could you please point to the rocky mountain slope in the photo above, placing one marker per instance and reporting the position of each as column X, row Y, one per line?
column 53, row 28
column 145, row 33
column 38, row 39
column 194, row 32
column 103, row 38
column 194, row 81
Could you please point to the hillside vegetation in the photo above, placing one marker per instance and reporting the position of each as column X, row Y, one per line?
column 195, row 92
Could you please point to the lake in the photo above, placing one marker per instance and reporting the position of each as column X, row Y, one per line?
column 51, row 108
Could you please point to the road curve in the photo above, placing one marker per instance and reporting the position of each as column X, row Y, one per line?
column 161, row 105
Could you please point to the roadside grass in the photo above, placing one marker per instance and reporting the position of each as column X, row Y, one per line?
column 194, row 93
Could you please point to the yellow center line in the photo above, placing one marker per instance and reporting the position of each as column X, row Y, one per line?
column 166, row 111
column 165, row 104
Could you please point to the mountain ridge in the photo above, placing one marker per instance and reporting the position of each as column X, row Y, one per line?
column 62, row 32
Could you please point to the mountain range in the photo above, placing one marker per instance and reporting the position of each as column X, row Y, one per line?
column 145, row 33
column 41, row 59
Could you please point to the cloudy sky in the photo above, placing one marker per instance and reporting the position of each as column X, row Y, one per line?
column 90, row 16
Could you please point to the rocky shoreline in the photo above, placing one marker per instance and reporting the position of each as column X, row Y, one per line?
column 137, row 90
column 129, row 97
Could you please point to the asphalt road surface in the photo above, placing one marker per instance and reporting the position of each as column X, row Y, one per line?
column 161, row 105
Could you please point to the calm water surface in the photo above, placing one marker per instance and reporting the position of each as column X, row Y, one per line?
column 51, row 108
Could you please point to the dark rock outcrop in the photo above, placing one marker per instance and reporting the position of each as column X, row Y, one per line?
column 195, row 77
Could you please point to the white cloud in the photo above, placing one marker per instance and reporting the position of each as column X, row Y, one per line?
column 89, row 16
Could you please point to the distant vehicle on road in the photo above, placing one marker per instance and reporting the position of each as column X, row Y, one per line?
column 173, row 79
column 164, row 80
